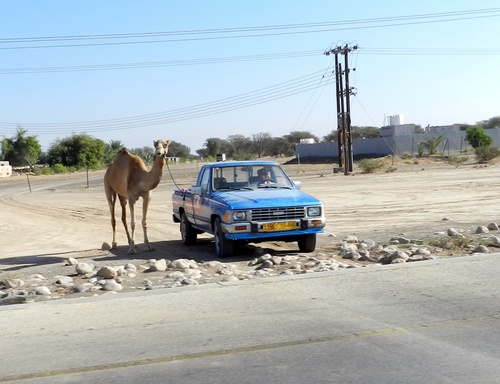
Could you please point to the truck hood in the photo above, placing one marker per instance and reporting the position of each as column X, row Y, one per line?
column 266, row 197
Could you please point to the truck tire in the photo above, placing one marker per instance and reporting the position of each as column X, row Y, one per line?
column 223, row 247
column 188, row 233
column 307, row 243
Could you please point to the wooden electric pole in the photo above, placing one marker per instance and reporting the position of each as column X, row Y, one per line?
column 343, row 93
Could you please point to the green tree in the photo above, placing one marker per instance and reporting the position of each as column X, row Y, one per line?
column 490, row 123
column 176, row 149
column 430, row 144
column 356, row 133
column 476, row 137
column 215, row 146
column 294, row 137
column 243, row 148
column 278, row 146
column 79, row 151
column 111, row 150
column 147, row 154
column 21, row 149
column 261, row 141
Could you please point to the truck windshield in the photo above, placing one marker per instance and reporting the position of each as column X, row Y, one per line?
column 249, row 177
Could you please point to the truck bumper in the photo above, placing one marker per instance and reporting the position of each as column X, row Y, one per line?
column 267, row 230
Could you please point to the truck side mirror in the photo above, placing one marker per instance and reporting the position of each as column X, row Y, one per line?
column 297, row 183
column 196, row 190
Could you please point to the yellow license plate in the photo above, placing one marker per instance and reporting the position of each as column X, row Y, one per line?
column 281, row 226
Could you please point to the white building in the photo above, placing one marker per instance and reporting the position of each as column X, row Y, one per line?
column 5, row 169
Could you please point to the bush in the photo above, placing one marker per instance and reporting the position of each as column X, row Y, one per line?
column 476, row 136
column 42, row 171
column 370, row 165
column 58, row 168
column 457, row 160
column 486, row 153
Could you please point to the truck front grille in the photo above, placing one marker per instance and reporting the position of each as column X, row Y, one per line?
column 273, row 214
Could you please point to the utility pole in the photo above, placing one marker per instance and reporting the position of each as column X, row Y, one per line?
column 343, row 93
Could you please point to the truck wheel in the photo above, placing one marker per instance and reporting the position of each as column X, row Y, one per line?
column 188, row 233
column 223, row 247
column 307, row 243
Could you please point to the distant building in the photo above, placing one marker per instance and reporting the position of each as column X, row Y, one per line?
column 307, row 141
column 398, row 140
column 5, row 169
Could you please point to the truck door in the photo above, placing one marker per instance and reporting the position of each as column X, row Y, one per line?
column 201, row 203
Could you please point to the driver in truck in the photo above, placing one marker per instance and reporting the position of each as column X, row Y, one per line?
column 264, row 176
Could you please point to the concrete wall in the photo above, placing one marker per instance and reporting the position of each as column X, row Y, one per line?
column 397, row 144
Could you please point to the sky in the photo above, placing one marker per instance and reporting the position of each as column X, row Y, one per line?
column 135, row 72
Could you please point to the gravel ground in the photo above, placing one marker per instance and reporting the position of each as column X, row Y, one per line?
column 49, row 223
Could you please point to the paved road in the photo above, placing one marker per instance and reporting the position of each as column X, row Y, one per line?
column 435, row 322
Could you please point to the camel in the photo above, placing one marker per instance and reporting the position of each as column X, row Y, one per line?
column 128, row 178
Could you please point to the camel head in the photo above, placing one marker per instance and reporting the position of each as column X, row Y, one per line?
column 161, row 147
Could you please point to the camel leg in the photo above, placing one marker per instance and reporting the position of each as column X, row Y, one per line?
column 123, row 203
column 145, row 204
column 111, row 197
column 131, row 248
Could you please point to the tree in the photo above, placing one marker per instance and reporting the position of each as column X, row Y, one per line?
column 243, row 148
column 147, row 154
column 430, row 144
column 476, row 137
column 278, row 146
column 215, row 146
column 21, row 150
column 176, row 149
column 79, row 151
column 294, row 137
column 356, row 133
column 111, row 150
column 490, row 123
column 260, row 141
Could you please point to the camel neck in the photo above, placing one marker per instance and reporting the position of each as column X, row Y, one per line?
column 157, row 168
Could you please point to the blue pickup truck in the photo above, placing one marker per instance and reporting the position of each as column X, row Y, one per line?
column 247, row 202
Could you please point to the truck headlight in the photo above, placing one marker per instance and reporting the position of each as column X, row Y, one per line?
column 313, row 211
column 239, row 215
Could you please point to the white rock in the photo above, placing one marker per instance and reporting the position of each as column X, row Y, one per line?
column 84, row 268
column 482, row 229
column 111, row 285
column 180, row 264
column 80, row 288
column 71, row 261
column 159, row 266
column 492, row 226
column 64, row 281
column 228, row 279
column 107, row 272
column 42, row 291
column 14, row 283
column 130, row 267
column 36, row 277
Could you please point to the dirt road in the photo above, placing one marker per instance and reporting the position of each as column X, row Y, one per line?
column 61, row 217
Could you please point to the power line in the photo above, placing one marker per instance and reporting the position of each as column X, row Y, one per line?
column 249, row 58
column 264, row 95
column 242, row 32
column 153, row 64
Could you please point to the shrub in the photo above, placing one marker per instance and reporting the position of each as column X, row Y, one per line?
column 457, row 160
column 447, row 242
column 486, row 153
column 476, row 136
column 370, row 165
column 58, row 168
column 42, row 171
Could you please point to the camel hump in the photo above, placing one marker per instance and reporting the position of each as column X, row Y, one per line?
column 123, row 150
